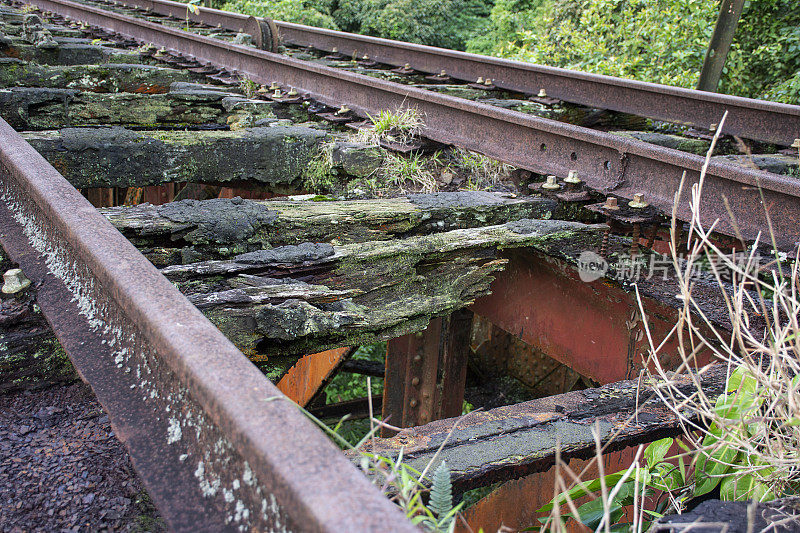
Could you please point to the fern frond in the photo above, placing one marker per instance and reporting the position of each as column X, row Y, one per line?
column 441, row 502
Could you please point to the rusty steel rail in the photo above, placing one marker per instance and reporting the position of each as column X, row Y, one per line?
column 608, row 163
column 263, row 30
column 215, row 442
column 753, row 119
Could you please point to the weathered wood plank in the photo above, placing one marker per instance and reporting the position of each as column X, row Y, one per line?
column 30, row 355
column 27, row 108
column 68, row 54
column 312, row 297
column 517, row 440
column 108, row 78
column 184, row 232
column 116, row 157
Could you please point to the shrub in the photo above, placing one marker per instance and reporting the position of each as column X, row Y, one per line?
column 297, row 11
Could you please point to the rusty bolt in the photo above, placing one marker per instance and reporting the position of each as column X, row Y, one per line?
column 638, row 201
column 15, row 281
column 611, row 204
column 413, row 402
column 551, row 183
column 415, row 381
column 572, row 177
column 542, row 93
column 487, row 81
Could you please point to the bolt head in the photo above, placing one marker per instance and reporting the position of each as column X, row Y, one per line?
column 638, row 201
column 415, row 381
column 796, row 143
column 413, row 402
column 479, row 80
column 572, row 177
column 611, row 204
column 407, row 66
column 542, row 93
column 292, row 92
column 487, row 81
column 417, row 358
column 443, row 73
column 335, row 50
column 551, row 183
column 365, row 57
column 14, row 281
column 277, row 94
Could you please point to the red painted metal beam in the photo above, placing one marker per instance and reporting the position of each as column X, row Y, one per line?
column 594, row 328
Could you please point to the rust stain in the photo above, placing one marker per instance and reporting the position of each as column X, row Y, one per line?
column 150, row 89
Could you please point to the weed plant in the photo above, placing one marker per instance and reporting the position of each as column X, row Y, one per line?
column 744, row 443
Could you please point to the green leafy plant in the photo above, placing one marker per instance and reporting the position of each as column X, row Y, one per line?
column 664, row 480
column 402, row 125
column 745, row 442
column 193, row 7
column 248, row 87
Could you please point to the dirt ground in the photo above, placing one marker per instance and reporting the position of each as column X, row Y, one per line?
column 62, row 468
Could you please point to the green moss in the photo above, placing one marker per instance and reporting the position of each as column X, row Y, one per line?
column 319, row 174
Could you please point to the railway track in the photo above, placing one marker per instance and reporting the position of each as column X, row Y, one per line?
column 755, row 119
column 164, row 346
column 607, row 163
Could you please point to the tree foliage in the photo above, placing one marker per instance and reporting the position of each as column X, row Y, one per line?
column 765, row 58
column 308, row 12
column 663, row 41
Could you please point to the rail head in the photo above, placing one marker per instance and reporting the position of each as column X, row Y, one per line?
column 215, row 441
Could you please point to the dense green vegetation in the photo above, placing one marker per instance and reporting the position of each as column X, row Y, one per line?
column 662, row 41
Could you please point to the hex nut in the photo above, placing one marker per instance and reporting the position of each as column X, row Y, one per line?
column 638, row 201
column 14, row 281
column 551, row 183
